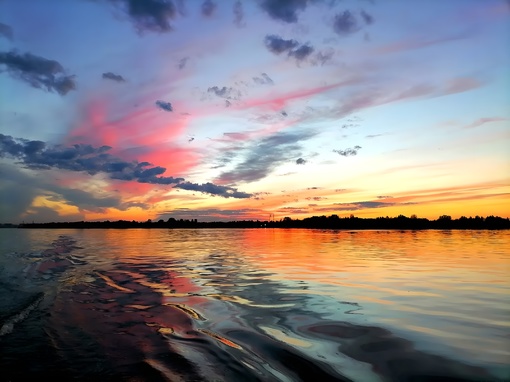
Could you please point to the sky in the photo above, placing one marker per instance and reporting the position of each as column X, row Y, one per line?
column 253, row 109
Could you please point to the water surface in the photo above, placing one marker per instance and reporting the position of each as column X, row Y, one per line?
column 254, row 304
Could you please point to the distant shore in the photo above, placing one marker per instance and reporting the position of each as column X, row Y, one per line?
column 316, row 222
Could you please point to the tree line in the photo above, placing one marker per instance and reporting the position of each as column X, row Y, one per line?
column 318, row 222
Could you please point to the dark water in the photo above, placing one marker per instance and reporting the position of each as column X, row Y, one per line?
column 254, row 305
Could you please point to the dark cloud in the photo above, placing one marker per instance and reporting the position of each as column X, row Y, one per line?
column 284, row 113
column 183, row 62
column 264, row 79
column 293, row 48
column 284, row 10
column 213, row 189
column 224, row 92
column 93, row 160
column 227, row 103
column 373, row 136
column 39, row 72
column 149, row 15
column 384, row 197
column 300, row 161
column 238, row 14
column 302, row 52
column 166, row 106
column 6, row 31
column 367, row 18
column 208, row 8
column 113, row 77
column 316, row 198
column 348, row 151
column 345, row 23
column 264, row 156
column 278, row 45
column 81, row 158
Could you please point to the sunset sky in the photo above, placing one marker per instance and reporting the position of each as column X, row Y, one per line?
column 234, row 110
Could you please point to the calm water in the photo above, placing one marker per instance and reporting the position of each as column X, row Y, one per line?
column 254, row 305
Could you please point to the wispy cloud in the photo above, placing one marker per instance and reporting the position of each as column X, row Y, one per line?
column 6, row 31
column 208, row 8
column 38, row 72
column 264, row 156
column 238, row 14
column 348, row 151
column 483, row 121
column 264, row 79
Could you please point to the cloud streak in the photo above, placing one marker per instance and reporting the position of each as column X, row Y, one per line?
column 264, row 156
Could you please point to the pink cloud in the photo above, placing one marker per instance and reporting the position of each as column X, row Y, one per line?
column 278, row 103
column 418, row 43
column 483, row 121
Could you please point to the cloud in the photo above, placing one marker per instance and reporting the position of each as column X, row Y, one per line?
column 149, row 15
column 284, row 10
column 208, row 8
column 264, row 79
column 224, row 92
column 213, row 189
column 39, row 72
column 238, row 14
column 293, row 48
column 93, row 160
column 6, row 31
column 323, row 57
column 264, row 156
column 419, row 43
column 278, row 45
column 483, row 121
column 300, row 161
column 302, row 52
column 166, row 106
column 113, row 77
column 81, row 158
column 384, row 197
column 345, row 24
column 212, row 214
column 367, row 18
column 183, row 62
column 354, row 206
column 19, row 189
column 348, row 151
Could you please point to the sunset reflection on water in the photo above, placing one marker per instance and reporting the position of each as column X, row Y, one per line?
column 381, row 295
